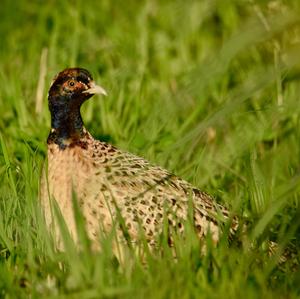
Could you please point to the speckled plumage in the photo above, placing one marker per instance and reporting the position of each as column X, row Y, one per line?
column 109, row 182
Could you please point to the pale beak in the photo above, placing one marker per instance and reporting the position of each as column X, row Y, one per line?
column 95, row 89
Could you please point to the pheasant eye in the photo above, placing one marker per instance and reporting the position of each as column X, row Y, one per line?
column 71, row 83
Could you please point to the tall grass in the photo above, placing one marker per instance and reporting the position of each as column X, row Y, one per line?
column 208, row 89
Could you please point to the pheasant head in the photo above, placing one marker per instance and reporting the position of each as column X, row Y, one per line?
column 69, row 90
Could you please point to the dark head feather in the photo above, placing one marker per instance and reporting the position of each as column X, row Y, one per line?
column 69, row 89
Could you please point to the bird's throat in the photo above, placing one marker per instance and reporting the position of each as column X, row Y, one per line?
column 66, row 125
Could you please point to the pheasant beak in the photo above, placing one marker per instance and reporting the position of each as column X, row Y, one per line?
column 95, row 89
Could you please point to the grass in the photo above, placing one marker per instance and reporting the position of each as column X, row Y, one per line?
column 208, row 89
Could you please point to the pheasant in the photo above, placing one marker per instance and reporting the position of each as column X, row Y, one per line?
column 111, row 184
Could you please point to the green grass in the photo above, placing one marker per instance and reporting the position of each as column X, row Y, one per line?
column 208, row 89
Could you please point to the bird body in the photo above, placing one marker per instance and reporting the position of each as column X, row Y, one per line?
column 109, row 183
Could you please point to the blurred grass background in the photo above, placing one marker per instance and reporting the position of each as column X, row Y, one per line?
column 208, row 89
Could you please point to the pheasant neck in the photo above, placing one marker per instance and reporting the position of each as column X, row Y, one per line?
column 66, row 124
